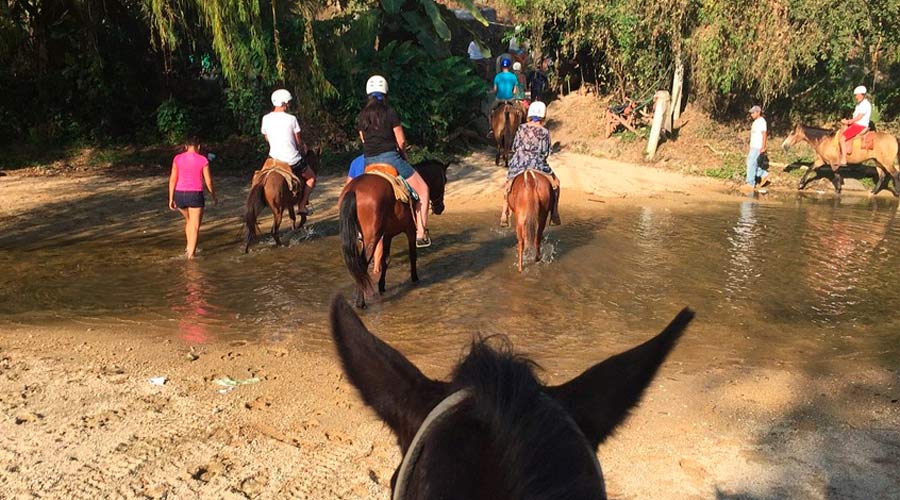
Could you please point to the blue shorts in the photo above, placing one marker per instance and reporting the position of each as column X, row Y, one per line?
column 393, row 159
column 189, row 199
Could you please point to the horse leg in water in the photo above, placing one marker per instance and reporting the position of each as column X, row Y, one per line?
column 896, row 187
column 542, row 224
column 812, row 168
column 520, row 239
column 411, row 238
column 276, row 203
column 293, row 216
column 383, row 256
column 838, row 181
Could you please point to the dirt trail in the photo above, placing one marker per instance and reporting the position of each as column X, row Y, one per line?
column 80, row 419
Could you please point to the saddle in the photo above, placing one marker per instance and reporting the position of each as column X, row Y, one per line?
column 281, row 168
column 865, row 140
column 402, row 190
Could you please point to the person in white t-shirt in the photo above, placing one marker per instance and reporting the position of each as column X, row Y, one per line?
column 282, row 132
column 862, row 115
column 759, row 138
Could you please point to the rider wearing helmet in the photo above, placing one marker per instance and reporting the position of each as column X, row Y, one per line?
column 856, row 125
column 519, row 93
column 282, row 132
column 505, row 83
column 531, row 148
column 384, row 142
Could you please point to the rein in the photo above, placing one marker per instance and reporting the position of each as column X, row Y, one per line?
column 436, row 416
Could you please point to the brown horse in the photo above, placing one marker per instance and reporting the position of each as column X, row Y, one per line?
column 370, row 218
column 825, row 143
column 505, row 120
column 273, row 190
column 530, row 199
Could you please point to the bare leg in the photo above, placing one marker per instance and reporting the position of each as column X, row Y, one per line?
column 843, row 147
column 192, row 230
column 418, row 183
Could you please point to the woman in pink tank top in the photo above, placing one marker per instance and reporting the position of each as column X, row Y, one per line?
column 189, row 171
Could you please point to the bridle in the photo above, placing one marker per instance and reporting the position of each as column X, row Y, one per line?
column 439, row 414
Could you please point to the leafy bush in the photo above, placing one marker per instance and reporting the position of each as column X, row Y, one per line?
column 246, row 105
column 172, row 121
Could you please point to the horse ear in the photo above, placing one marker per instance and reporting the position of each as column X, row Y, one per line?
column 599, row 399
column 388, row 382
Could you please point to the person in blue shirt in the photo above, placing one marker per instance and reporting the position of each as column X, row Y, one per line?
column 505, row 83
column 357, row 168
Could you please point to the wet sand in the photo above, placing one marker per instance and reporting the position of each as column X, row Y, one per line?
column 80, row 418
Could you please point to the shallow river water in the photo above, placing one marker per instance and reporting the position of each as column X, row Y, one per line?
column 772, row 283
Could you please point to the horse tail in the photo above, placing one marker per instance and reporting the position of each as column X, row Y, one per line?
column 255, row 203
column 532, row 210
column 354, row 253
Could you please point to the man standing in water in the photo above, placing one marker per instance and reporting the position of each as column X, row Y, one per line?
column 759, row 138
column 282, row 132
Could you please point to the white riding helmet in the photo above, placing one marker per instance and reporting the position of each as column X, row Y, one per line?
column 517, row 66
column 859, row 90
column 281, row 97
column 538, row 109
column 376, row 83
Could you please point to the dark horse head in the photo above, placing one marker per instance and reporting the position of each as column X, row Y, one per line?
column 435, row 175
column 494, row 431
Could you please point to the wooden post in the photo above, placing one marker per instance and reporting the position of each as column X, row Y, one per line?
column 660, row 108
column 677, row 86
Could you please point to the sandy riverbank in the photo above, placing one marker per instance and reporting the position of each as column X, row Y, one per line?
column 79, row 418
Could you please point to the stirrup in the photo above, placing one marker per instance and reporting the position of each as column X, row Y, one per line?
column 423, row 242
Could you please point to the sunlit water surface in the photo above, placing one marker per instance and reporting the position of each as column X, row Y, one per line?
column 771, row 283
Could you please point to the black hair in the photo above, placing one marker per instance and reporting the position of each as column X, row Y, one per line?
column 191, row 140
column 373, row 114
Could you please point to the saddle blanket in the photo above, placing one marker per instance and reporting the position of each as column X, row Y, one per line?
column 402, row 190
column 281, row 168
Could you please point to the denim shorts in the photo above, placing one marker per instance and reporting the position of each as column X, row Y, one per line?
column 189, row 199
column 393, row 159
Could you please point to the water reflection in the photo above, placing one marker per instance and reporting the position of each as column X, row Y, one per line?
column 189, row 304
column 743, row 253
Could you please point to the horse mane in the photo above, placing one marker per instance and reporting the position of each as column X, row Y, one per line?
column 532, row 433
column 816, row 133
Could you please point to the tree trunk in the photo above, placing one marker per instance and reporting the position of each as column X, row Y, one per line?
column 677, row 86
column 660, row 110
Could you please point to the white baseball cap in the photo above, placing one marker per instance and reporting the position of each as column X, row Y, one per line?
column 517, row 66
column 859, row 90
